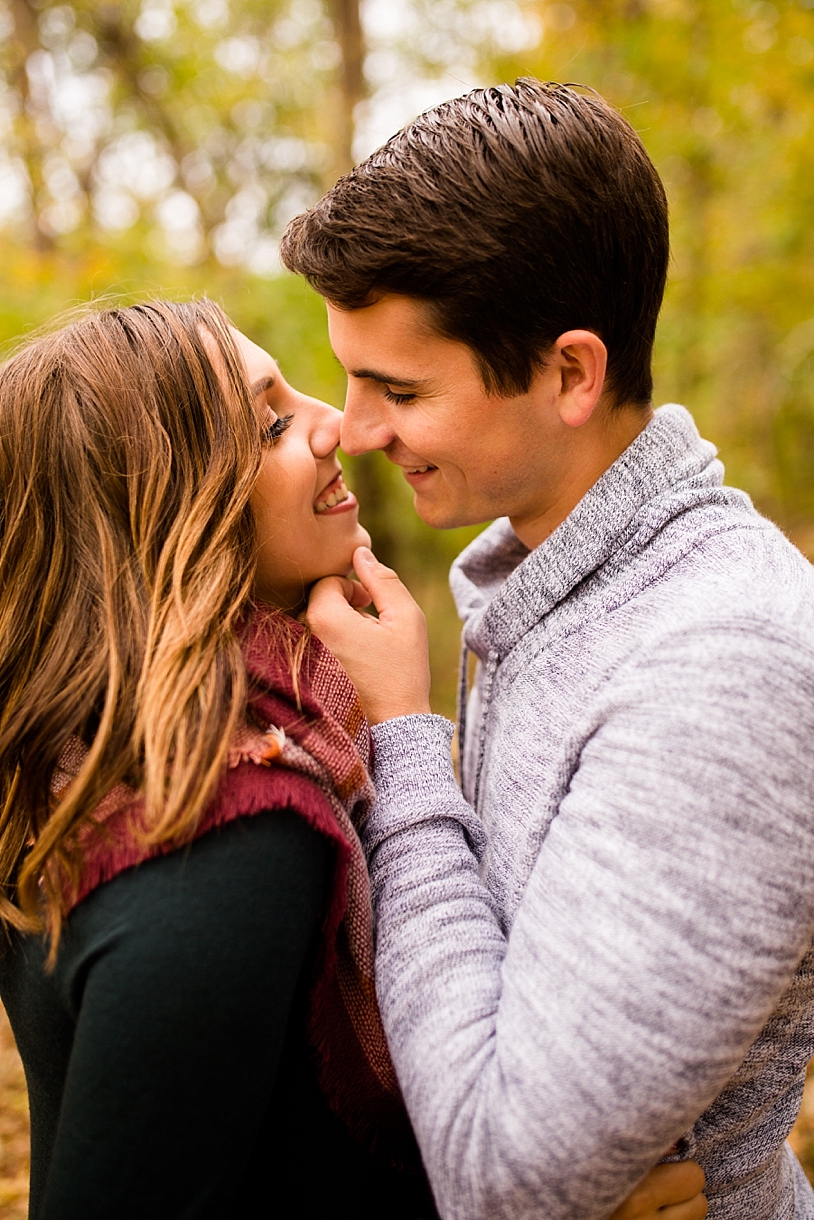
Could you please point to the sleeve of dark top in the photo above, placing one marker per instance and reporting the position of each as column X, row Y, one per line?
column 180, row 976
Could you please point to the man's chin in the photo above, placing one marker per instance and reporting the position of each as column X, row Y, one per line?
column 447, row 516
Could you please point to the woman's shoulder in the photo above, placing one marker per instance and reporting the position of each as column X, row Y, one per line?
column 271, row 852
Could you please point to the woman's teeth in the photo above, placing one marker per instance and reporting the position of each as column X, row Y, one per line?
column 339, row 493
column 418, row 469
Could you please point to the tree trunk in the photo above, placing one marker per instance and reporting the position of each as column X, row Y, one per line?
column 371, row 477
column 26, row 42
column 347, row 23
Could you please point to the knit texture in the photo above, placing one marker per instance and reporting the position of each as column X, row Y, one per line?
column 605, row 947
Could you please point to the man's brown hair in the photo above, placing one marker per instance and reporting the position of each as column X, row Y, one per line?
column 516, row 213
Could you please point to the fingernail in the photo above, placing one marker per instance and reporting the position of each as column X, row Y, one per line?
column 365, row 555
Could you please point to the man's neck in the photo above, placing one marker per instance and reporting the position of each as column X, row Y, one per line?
column 597, row 445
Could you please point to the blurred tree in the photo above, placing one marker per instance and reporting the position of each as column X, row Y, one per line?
column 161, row 146
column 187, row 129
column 721, row 91
column 374, row 480
column 197, row 127
column 347, row 20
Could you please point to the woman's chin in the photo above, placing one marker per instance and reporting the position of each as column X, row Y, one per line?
column 363, row 537
column 360, row 538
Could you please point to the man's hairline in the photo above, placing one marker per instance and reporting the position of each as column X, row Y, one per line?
column 378, row 294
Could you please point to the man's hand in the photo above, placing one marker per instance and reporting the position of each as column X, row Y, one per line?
column 386, row 657
column 669, row 1192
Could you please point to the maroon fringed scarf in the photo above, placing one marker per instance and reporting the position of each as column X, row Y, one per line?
column 313, row 758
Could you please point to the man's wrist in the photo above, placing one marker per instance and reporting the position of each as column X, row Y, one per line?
column 415, row 781
column 378, row 715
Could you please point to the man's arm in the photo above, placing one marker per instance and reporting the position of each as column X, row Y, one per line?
column 668, row 909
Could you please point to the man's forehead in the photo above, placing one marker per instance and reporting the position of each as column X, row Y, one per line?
column 388, row 318
column 390, row 340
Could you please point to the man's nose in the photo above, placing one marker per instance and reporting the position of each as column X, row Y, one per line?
column 364, row 425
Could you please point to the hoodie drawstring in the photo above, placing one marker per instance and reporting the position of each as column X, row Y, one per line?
column 463, row 698
column 492, row 663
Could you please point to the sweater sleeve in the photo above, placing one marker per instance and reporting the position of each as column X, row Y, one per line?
column 547, row 1066
column 179, row 976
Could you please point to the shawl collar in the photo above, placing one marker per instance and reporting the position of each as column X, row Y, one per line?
column 502, row 589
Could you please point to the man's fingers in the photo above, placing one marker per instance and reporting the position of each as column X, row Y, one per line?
column 331, row 587
column 359, row 597
column 676, row 1181
column 385, row 589
column 674, row 1184
column 694, row 1209
column 330, row 597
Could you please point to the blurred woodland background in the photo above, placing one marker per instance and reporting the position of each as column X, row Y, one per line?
column 160, row 146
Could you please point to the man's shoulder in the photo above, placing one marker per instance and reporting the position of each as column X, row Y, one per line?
column 725, row 581
column 735, row 612
column 745, row 571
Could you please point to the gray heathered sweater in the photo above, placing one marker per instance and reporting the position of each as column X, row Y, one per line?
column 625, row 955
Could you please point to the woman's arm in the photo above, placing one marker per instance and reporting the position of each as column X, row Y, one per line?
column 180, row 975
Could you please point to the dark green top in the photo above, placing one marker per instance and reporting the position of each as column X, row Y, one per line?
column 166, row 1059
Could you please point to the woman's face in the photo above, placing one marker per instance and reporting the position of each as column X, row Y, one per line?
column 307, row 521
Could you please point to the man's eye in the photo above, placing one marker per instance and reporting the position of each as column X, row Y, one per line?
column 275, row 430
column 392, row 396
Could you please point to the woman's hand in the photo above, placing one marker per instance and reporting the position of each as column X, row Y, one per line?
column 386, row 657
column 672, row 1191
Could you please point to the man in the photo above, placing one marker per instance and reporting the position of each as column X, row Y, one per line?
column 604, row 945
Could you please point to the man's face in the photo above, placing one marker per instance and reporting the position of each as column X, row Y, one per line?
column 469, row 455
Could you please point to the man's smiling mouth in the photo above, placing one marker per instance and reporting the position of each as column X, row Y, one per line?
column 335, row 493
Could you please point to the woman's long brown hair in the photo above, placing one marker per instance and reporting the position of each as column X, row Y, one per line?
column 126, row 558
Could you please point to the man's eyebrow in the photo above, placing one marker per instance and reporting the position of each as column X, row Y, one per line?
column 260, row 387
column 386, row 378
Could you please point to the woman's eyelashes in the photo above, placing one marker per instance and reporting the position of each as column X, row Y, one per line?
column 273, row 431
column 392, row 396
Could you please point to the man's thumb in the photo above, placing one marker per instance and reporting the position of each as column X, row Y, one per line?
column 382, row 583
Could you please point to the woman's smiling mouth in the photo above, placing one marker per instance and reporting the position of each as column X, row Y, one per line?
column 333, row 495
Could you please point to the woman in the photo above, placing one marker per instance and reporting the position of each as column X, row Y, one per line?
column 188, row 965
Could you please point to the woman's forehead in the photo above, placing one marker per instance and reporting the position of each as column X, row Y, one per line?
column 260, row 366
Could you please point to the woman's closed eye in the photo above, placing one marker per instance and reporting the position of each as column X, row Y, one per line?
column 276, row 429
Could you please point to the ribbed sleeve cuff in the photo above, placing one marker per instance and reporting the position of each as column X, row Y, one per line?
column 415, row 781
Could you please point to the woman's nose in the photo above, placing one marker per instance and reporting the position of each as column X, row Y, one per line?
column 325, row 430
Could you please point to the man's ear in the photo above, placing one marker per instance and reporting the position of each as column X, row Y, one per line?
column 582, row 359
